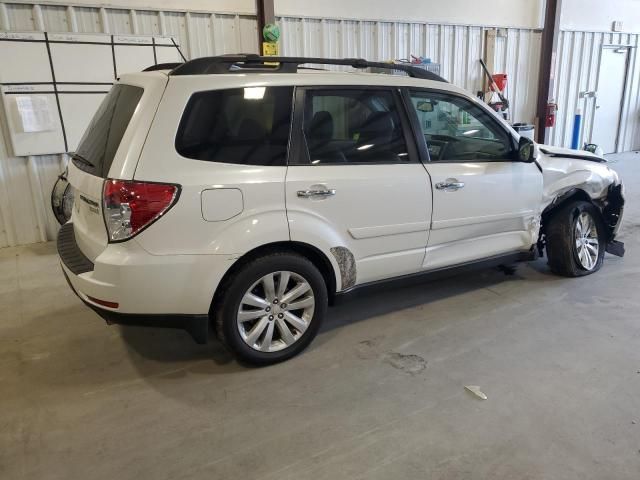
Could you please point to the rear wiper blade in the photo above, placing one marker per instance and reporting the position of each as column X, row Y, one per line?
column 81, row 159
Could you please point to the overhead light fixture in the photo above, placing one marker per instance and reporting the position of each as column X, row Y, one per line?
column 254, row 93
column 365, row 147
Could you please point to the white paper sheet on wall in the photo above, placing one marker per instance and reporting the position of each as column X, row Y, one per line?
column 36, row 114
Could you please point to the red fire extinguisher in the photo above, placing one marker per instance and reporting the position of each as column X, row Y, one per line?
column 550, row 117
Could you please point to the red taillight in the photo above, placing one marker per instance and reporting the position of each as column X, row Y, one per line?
column 131, row 206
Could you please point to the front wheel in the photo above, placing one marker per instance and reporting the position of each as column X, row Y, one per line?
column 576, row 240
column 272, row 308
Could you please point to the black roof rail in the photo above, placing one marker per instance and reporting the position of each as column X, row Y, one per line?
column 162, row 66
column 252, row 63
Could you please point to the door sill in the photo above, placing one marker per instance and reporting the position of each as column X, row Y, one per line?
column 430, row 275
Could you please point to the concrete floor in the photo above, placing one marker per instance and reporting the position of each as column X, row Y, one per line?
column 379, row 394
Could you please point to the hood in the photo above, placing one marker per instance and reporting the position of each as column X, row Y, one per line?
column 568, row 153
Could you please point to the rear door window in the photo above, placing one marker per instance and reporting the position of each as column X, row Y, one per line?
column 247, row 126
column 353, row 126
column 101, row 140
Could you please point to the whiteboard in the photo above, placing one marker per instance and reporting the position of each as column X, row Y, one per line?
column 14, row 49
column 82, row 62
column 133, row 54
column 57, row 80
column 167, row 50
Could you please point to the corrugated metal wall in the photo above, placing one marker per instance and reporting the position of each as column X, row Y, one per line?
column 457, row 47
column 25, row 183
column 577, row 68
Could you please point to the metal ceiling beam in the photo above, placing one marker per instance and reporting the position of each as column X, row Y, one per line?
column 266, row 14
column 548, row 54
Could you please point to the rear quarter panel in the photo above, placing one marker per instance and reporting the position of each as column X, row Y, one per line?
column 183, row 229
column 128, row 154
column 87, row 216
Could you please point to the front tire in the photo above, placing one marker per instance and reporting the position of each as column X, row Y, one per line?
column 271, row 308
column 576, row 240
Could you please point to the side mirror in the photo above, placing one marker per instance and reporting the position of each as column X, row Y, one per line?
column 595, row 149
column 425, row 106
column 526, row 150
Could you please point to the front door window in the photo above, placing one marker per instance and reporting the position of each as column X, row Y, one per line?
column 457, row 130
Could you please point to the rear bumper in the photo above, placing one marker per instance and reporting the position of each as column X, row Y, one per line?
column 173, row 291
column 196, row 325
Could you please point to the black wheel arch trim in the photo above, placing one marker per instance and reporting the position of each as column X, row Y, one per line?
column 313, row 254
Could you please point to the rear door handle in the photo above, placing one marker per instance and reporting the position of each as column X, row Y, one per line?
column 316, row 193
column 450, row 185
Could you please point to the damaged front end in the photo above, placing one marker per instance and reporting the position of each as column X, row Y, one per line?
column 612, row 209
column 570, row 177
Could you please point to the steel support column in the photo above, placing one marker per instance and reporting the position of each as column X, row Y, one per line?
column 266, row 14
column 548, row 54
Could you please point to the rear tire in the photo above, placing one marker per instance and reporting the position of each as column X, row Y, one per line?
column 271, row 308
column 575, row 238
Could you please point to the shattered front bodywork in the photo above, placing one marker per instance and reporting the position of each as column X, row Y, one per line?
column 561, row 175
column 576, row 174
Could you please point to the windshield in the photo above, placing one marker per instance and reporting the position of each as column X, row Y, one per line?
column 100, row 141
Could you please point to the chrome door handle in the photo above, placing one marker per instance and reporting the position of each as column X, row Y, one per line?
column 316, row 193
column 450, row 185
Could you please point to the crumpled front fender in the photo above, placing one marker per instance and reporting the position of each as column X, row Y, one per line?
column 562, row 175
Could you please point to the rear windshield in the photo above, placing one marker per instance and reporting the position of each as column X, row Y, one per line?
column 103, row 135
column 248, row 126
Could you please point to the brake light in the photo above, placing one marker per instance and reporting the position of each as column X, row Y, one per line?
column 130, row 207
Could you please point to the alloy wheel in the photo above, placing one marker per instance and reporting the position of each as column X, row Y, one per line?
column 275, row 311
column 587, row 243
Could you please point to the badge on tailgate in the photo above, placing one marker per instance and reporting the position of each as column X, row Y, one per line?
column 94, row 207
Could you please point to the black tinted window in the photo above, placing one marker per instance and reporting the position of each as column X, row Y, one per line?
column 103, row 136
column 249, row 126
column 353, row 126
column 457, row 130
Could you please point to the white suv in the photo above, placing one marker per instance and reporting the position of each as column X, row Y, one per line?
column 232, row 192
